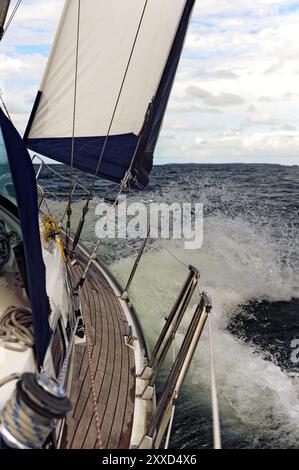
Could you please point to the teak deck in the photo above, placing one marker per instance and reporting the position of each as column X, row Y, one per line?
column 113, row 365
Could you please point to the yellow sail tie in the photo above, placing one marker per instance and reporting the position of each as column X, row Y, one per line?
column 51, row 231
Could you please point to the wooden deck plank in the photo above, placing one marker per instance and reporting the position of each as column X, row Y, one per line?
column 87, row 423
column 114, row 369
column 119, row 413
column 80, row 350
column 113, row 393
column 129, row 406
column 83, row 412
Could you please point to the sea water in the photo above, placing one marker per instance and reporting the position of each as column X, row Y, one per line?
column 249, row 265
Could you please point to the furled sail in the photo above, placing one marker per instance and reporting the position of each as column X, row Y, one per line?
column 107, row 83
column 23, row 177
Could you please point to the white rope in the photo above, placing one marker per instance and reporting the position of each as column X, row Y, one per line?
column 9, row 378
column 16, row 331
column 214, row 398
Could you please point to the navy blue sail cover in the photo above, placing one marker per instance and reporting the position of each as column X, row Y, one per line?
column 143, row 100
column 24, row 181
column 119, row 150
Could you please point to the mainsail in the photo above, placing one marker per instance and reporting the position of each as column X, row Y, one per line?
column 107, row 83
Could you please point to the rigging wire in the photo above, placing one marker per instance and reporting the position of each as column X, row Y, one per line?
column 175, row 257
column 11, row 17
column 74, row 181
column 69, row 204
column 86, row 207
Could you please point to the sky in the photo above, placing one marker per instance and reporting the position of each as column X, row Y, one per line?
column 236, row 94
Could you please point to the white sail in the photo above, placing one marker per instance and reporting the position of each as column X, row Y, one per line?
column 128, row 40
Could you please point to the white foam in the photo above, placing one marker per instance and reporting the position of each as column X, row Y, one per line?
column 237, row 263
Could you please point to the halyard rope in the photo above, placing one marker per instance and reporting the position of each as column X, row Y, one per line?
column 9, row 378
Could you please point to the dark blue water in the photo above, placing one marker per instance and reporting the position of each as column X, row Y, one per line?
column 249, row 264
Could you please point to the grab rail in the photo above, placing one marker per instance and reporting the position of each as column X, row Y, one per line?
column 160, row 424
column 163, row 414
column 170, row 329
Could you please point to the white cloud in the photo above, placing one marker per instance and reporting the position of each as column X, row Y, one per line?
column 192, row 108
column 223, row 99
column 236, row 95
column 288, row 127
column 34, row 23
column 257, row 43
column 251, row 109
column 262, row 119
column 212, row 74
column 23, row 55
column 21, row 67
column 235, row 147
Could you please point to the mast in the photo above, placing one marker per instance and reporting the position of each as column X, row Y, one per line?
column 4, row 6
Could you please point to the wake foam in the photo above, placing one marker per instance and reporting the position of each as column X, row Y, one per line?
column 238, row 262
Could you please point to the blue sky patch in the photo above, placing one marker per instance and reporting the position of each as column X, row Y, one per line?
column 43, row 49
column 284, row 9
